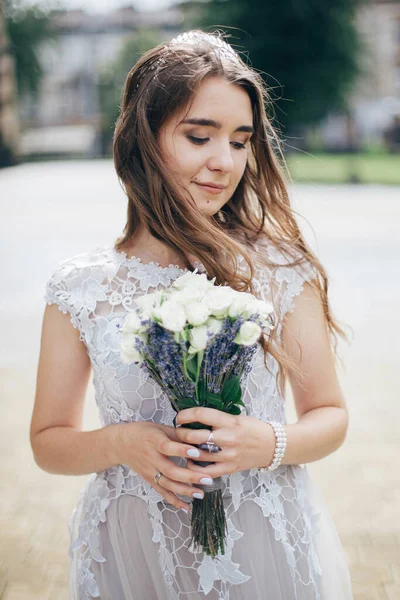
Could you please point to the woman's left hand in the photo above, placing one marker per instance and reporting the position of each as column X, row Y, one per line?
column 245, row 442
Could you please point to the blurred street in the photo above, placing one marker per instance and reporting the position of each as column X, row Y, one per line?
column 51, row 211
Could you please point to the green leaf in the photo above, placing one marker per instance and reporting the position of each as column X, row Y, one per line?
column 238, row 401
column 191, row 366
column 185, row 403
column 233, row 410
column 202, row 392
column 214, row 403
column 231, row 390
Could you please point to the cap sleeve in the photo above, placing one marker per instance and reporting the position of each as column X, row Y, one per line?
column 289, row 280
column 62, row 289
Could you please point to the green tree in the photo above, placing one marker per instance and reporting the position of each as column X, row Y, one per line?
column 28, row 27
column 112, row 79
column 307, row 50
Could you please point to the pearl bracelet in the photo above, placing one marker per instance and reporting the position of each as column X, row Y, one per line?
column 280, row 446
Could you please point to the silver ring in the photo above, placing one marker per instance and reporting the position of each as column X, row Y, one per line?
column 210, row 439
column 157, row 477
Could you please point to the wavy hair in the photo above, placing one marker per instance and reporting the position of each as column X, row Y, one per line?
column 161, row 84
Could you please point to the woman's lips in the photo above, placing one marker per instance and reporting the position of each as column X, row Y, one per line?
column 209, row 189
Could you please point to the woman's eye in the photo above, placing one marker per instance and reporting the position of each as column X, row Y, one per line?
column 238, row 145
column 201, row 141
column 197, row 140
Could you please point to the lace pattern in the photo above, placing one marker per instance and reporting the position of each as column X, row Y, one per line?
column 96, row 289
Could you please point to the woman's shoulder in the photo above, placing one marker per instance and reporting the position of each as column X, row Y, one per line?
column 284, row 259
column 79, row 275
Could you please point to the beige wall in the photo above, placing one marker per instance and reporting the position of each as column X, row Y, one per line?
column 380, row 24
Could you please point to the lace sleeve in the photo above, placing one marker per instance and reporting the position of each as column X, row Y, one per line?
column 288, row 280
column 62, row 288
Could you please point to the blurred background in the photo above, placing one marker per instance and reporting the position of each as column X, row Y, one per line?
column 333, row 70
column 333, row 73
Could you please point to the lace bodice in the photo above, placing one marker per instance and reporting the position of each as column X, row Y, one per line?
column 97, row 289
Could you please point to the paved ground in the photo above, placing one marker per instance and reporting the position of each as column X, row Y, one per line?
column 51, row 211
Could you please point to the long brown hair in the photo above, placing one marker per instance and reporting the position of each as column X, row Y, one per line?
column 159, row 85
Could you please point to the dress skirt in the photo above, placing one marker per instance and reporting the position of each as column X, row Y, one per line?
column 132, row 569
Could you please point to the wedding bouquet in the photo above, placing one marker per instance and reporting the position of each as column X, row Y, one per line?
column 196, row 339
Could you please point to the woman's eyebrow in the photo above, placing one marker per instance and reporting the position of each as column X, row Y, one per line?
column 216, row 124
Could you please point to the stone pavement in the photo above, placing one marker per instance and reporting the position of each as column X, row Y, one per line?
column 52, row 211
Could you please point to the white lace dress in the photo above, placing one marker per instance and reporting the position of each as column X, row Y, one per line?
column 127, row 543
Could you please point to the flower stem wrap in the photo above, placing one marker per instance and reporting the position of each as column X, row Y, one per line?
column 209, row 528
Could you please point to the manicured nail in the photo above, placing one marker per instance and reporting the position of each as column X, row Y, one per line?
column 198, row 495
column 193, row 452
column 185, row 510
column 206, row 481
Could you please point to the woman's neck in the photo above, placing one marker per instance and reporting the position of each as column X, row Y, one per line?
column 150, row 249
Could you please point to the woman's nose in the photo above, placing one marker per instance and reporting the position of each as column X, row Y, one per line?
column 221, row 160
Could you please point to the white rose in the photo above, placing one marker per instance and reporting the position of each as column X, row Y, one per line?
column 240, row 304
column 219, row 299
column 263, row 309
column 198, row 339
column 192, row 280
column 186, row 295
column 149, row 303
column 248, row 334
column 197, row 313
column 214, row 326
column 129, row 353
column 172, row 316
column 133, row 324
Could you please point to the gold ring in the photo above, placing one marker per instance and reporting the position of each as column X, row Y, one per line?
column 157, row 477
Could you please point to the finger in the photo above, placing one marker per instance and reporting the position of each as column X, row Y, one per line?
column 208, row 416
column 213, row 471
column 170, row 497
column 221, row 437
column 195, row 436
column 180, row 488
column 169, row 448
column 168, row 468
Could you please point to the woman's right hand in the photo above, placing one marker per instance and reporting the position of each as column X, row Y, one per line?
column 145, row 447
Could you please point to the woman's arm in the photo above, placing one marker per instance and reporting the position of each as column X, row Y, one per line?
column 58, row 444
column 321, row 409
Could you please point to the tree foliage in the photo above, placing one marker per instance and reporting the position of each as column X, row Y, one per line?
column 27, row 28
column 307, row 50
column 113, row 77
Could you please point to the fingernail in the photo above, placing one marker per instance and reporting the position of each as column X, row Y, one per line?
column 206, row 481
column 193, row 452
column 198, row 495
column 185, row 510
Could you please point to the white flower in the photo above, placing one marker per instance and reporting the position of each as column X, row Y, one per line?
column 197, row 313
column 264, row 309
column 194, row 281
column 129, row 352
column 198, row 339
column 133, row 324
column 149, row 304
column 241, row 303
column 214, row 326
column 219, row 299
column 172, row 315
column 248, row 334
column 246, row 305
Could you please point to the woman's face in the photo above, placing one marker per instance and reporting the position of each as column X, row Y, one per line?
column 209, row 143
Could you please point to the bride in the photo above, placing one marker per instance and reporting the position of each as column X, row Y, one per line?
column 199, row 161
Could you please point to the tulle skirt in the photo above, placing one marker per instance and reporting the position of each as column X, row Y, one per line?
column 133, row 569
